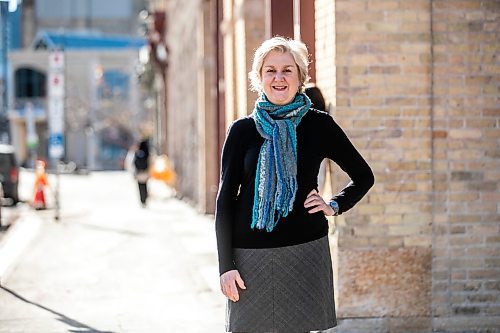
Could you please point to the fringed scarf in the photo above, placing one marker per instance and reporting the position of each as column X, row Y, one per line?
column 276, row 177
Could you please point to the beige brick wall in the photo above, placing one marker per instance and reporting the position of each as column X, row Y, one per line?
column 191, row 101
column 466, row 245
column 182, row 94
column 383, row 94
column 325, row 48
column 417, row 88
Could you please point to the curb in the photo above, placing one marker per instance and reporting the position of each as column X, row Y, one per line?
column 16, row 240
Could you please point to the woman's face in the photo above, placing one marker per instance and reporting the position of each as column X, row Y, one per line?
column 280, row 77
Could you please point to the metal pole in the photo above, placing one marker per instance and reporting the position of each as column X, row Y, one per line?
column 56, row 189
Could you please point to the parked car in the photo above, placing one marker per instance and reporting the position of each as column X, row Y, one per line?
column 9, row 173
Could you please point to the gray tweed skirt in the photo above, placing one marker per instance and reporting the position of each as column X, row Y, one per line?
column 289, row 290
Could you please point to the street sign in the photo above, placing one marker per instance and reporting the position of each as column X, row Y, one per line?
column 56, row 145
column 56, row 84
column 56, row 61
column 56, row 104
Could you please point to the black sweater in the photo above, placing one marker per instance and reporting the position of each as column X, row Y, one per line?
column 318, row 137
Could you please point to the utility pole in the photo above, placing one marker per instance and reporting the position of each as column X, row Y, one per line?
column 56, row 114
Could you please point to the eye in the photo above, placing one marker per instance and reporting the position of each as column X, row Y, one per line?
column 270, row 70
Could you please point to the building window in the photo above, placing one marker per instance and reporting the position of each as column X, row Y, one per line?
column 29, row 83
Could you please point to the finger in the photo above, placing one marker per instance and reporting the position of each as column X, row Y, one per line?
column 312, row 192
column 311, row 199
column 234, row 292
column 315, row 210
column 314, row 202
column 240, row 282
column 224, row 290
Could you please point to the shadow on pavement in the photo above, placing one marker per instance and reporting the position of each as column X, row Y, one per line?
column 108, row 229
column 79, row 327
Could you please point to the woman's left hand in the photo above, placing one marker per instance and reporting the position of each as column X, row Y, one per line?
column 317, row 203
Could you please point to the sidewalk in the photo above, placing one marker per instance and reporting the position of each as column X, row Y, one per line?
column 110, row 265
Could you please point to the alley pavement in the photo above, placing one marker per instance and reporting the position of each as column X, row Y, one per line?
column 109, row 265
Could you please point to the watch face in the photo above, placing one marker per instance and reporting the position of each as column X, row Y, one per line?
column 335, row 206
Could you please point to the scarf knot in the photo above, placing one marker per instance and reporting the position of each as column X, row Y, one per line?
column 276, row 176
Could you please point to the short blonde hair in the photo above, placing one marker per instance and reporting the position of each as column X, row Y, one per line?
column 296, row 48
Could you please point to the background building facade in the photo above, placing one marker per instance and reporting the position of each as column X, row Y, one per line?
column 105, row 104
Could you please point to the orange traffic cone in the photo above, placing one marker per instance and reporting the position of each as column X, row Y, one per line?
column 40, row 183
column 39, row 199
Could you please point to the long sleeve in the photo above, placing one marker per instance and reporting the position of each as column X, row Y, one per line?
column 342, row 151
column 230, row 180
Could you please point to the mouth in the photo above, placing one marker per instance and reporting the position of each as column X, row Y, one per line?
column 280, row 88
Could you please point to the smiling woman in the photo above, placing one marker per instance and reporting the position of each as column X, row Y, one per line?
column 274, row 257
column 280, row 77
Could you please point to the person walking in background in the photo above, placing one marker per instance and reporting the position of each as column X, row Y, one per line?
column 272, row 234
column 141, row 165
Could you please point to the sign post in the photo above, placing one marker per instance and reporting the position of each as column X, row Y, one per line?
column 56, row 115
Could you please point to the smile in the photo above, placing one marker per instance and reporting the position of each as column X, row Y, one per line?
column 279, row 88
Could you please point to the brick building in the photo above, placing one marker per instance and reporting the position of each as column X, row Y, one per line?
column 415, row 84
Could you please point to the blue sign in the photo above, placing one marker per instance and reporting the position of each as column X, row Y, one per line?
column 56, row 145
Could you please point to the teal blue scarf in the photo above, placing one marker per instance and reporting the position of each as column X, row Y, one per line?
column 276, row 177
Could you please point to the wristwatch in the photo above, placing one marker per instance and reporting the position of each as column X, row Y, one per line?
column 335, row 207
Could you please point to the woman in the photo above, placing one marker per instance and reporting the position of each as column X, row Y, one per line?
column 274, row 257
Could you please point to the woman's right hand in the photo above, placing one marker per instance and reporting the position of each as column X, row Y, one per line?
column 228, row 282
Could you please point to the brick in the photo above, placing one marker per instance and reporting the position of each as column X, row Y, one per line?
column 370, row 209
column 493, row 240
column 352, row 242
column 462, row 263
column 484, row 274
column 438, row 275
column 417, row 219
column 466, row 196
column 415, row 5
column 406, row 230
column 465, row 154
column 458, row 275
column 467, row 286
column 492, row 263
column 457, row 230
column 385, row 241
column 439, row 134
column 481, row 298
column 481, row 252
column 423, row 241
column 492, row 285
column 383, row 27
column 469, row 218
column 466, row 310
column 369, row 230
column 402, row 16
column 459, row 240
column 483, row 186
column 350, row 6
column 352, row 27
column 386, row 219
column 382, row 5
column 466, row 176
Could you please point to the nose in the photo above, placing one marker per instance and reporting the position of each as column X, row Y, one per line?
column 278, row 76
